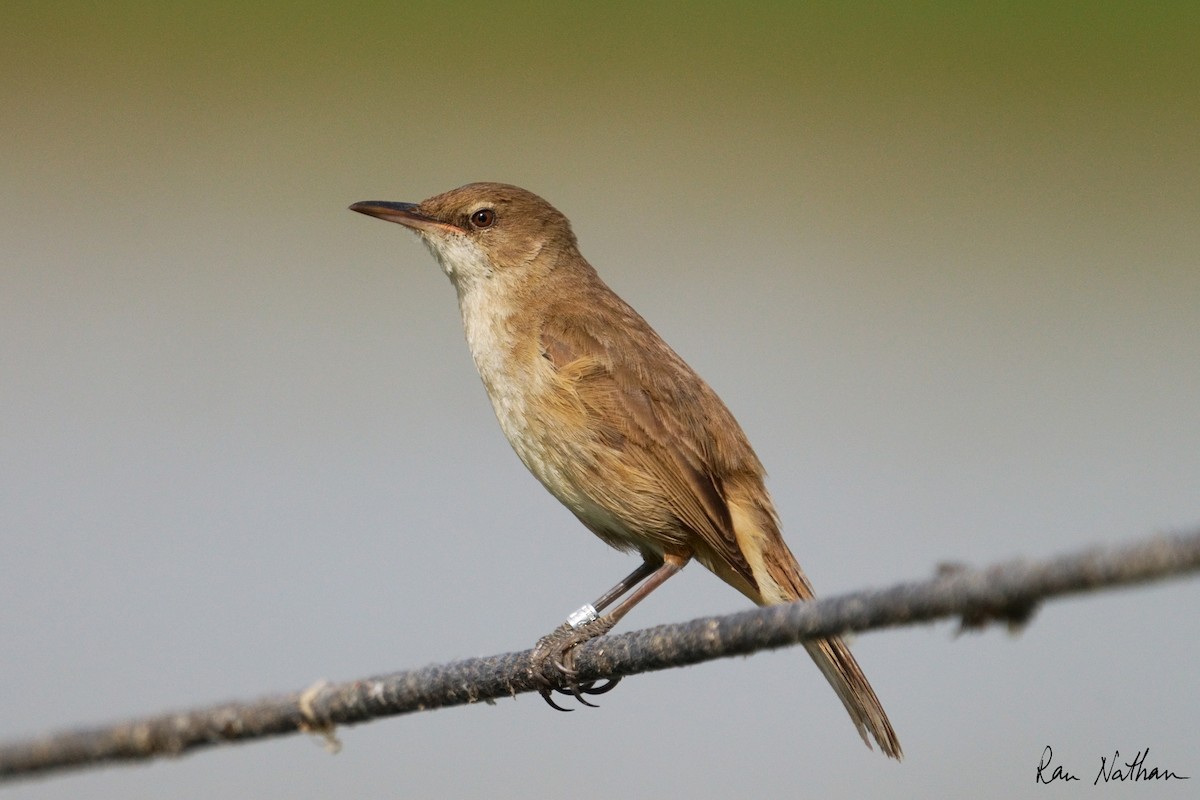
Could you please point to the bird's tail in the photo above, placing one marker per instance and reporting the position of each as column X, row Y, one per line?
column 838, row 666
column 777, row 578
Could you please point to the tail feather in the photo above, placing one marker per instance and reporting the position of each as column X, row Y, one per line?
column 838, row 666
column 773, row 576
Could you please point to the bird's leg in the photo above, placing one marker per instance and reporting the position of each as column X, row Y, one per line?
column 553, row 646
column 557, row 648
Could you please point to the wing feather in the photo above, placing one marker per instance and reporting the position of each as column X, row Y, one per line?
column 652, row 442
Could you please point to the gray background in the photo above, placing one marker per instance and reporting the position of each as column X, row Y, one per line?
column 943, row 265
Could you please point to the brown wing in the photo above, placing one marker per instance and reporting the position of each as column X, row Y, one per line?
column 659, row 434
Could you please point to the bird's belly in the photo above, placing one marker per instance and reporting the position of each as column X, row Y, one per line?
column 525, row 395
column 555, row 459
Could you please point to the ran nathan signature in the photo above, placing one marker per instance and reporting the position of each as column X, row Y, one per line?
column 1115, row 770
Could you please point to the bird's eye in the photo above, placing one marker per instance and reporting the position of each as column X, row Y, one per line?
column 483, row 218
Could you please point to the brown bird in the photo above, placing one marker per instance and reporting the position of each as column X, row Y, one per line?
column 612, row 422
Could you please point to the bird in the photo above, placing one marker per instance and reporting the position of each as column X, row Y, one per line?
column 613, row 422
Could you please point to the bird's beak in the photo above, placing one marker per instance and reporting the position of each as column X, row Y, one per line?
column 404, row 213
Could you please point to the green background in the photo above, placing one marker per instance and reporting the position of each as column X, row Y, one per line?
column 941, row 260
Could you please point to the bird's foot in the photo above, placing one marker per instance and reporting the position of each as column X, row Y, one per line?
column 552, row 663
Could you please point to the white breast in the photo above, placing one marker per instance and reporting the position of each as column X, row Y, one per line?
column 515, row 378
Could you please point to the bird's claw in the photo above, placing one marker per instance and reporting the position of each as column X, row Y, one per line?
column 557, row 650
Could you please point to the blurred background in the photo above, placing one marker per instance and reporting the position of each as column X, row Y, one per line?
column 943, row 264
